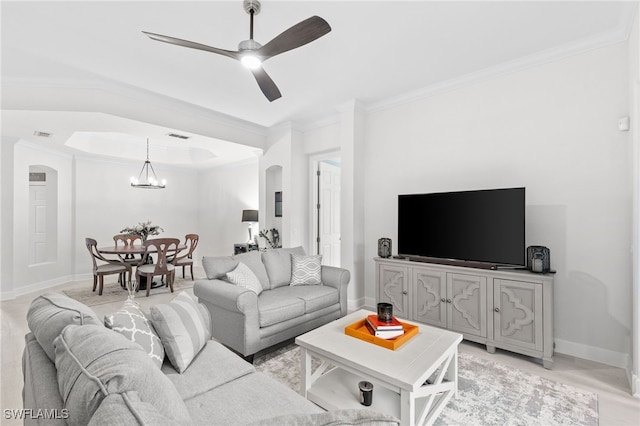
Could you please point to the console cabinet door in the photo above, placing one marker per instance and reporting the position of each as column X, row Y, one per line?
column 518, row 314
column 429, row 297
column 467, row 304
column 394, row 289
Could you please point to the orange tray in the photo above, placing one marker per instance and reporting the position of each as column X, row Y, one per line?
column 359, row 330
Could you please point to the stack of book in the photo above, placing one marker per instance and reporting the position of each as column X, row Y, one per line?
column 384, row 330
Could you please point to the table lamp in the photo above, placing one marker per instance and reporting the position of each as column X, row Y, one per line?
column 250, row 216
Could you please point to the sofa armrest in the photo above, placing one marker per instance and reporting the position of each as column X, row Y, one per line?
column 337, row 278
column 227, row 296
column 235, row 321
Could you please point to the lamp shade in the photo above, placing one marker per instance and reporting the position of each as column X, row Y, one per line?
column 249, row 215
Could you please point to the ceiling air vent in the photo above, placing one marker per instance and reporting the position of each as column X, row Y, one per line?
column 42, row 134
column 176, row 135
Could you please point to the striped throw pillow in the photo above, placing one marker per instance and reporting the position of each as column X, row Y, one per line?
column 182, row 329
column 306, row 270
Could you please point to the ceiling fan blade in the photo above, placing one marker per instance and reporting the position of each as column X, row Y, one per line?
column 267, row 85
column 193, row 45
column 300, row 34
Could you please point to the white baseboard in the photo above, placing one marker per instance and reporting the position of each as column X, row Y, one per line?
column 42, row 285
column 354, row 304
column 634, row 381
column 592, row 353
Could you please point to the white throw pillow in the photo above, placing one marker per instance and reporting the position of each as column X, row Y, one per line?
column 306, row 270
column 242, row 276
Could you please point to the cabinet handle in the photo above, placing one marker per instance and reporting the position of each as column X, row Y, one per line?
column 405, row 292
column 448, row 300
column 497, row 309
column 443, row 300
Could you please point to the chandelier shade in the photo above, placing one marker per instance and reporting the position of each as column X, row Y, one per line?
column 147, row 178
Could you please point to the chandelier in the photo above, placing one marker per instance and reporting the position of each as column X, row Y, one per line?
column 147, row 178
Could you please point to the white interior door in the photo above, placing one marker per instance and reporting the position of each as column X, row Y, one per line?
column 329, row 213
column 37, row 224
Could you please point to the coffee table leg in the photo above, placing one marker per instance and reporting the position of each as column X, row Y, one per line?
column 305, row 371
column 407, row 408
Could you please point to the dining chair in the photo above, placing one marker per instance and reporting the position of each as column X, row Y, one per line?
column 128, row 240
column 161, row 247
column 186, row 259
column 112, row 266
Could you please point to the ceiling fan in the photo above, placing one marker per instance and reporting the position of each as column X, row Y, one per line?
column 251, row 53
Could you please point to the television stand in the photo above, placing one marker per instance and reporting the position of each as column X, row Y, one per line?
column 502, row 308
column 454, row 262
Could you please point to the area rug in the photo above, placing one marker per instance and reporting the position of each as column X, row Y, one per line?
column 490, row 393
column 112, row 292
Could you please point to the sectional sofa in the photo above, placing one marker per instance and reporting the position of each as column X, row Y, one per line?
column 156, row 368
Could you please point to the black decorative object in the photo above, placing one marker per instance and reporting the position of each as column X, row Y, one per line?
column 384, row 247
column 385, row 312
column 366, row 393
column 538, row 259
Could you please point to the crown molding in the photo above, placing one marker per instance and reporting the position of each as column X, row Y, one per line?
column 618, row 35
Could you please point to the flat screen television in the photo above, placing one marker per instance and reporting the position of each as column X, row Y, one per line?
column 483, row 226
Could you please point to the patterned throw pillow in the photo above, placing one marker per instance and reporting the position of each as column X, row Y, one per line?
column 131, row 322
column 182, row 328
column 242, row 276
column 306, row 270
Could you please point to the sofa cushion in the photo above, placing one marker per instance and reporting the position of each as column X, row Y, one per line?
column 315, row 297
column 277, row 262
column 127, row 408
column 50, row 313
column 182, row 328
column 217, row 267
column 247, row 399
column 132, row 323
column 242, row 276
column 214, row 366
column 278, row 305
column 93, row 362
column 344, row 417
column 253, row 259
column 306, row 270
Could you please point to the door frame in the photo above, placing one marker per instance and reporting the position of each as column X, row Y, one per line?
column 314, row 161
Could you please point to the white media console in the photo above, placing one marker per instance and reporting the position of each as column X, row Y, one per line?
column 507, row 309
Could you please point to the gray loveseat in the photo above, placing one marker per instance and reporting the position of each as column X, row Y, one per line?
column 248, row 322
column 78, row 372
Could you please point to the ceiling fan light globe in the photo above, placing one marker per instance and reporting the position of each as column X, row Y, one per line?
column 251, row 61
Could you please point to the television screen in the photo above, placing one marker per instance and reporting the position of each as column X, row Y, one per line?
column 481, row 226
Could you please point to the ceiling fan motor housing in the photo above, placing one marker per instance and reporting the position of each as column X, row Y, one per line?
column 251, row 5
column 249, row 45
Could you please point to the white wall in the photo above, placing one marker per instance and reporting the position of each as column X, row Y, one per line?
column 24, row 276
column 224, row 193
column 105, row 203
column 634, row 134
column 95, row 200
column 552, row 129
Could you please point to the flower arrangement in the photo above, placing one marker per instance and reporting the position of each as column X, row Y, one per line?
column 143, row 229
column 274, row 241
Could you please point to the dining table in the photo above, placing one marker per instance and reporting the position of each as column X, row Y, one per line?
column 137, row 249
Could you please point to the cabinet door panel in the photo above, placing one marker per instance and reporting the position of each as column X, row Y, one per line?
column 394, row 286
column 518, row 313
column 429, row 297
column 467, row 300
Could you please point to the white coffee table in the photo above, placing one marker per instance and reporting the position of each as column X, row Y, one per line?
column 399, row 376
